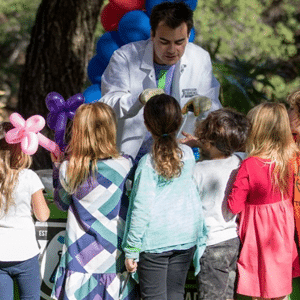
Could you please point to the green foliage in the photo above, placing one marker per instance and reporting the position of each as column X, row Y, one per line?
column 99, row 29
column 243, row 82
column 246, row 45
column 281, row 88
column 18, row 19
column 231, row 28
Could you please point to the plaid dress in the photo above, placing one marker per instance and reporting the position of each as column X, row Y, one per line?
column 92, row 262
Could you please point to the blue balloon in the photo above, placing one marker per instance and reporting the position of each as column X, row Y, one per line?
column 92, row 93
column 95, row 69
column 107, row 44
column 151, row 3
column 192, row 35
column 191, row 3
column 134, row 26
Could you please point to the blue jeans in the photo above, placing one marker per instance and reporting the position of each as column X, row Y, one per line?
column 162, row 276
column 27, row 275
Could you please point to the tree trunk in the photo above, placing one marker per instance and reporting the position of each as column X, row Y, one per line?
column 61, row 46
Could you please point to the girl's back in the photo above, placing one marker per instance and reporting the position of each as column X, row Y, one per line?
column 266, row 231
column 256, row 177
column 90, row 184
column 95, row 226
column 165, row 222
column 262, row 194
column 172, row 207
column 17, row 226
column 97, row 207
column 21, row 197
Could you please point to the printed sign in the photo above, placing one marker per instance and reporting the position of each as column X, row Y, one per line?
column 50, row 236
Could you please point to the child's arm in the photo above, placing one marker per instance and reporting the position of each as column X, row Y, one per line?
column 240, row 190
column 189, row 140
column 39, row 206
column 61, row 197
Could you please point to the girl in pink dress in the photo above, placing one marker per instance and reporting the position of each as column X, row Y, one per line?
column 262, row 194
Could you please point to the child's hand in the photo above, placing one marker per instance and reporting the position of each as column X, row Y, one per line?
column 131, row 265
column 189, row 140
column 58, row 159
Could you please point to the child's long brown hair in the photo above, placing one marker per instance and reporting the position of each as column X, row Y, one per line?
column 163, row 117
column 12, row 161
column 271, row 138
column 93, row 137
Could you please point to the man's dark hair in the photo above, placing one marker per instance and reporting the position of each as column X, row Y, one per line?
column 226, row 129
column 173, row 14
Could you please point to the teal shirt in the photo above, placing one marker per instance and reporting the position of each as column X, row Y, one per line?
column 164, row 215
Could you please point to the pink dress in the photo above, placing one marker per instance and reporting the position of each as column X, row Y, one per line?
column 268, row 258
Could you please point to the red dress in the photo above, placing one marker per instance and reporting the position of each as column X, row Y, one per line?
column 266, row 230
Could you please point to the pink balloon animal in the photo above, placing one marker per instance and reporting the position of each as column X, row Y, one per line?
column 27, row 133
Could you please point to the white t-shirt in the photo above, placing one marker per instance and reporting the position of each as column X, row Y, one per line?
column 214, row 179
column 17, row 231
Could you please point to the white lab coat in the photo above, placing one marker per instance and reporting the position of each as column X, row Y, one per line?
column 131, row 70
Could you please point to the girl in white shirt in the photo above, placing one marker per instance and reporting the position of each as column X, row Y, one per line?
column 20, row 196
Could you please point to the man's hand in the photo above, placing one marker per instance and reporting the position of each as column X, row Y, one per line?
column 197, row 104
column 148, row 93
column 131, row 265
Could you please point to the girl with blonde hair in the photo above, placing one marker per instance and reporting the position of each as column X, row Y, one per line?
column 165, row 220
column 21, row 196
column 90, row 184
column 262, row 193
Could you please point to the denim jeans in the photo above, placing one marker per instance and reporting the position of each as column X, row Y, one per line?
column 27, row 275
column 162, row 276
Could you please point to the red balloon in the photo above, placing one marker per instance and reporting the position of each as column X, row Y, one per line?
column 130, row 4
column 111, row 15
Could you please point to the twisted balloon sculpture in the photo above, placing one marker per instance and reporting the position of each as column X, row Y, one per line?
column 27, row 133
column 60, row 111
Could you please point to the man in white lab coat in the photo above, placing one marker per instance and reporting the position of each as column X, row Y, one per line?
column 166, row 61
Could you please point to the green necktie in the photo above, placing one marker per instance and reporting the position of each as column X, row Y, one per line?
column 162, row 79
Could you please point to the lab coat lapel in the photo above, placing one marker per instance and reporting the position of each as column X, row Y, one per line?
column 147, row 67
column 178, row 77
